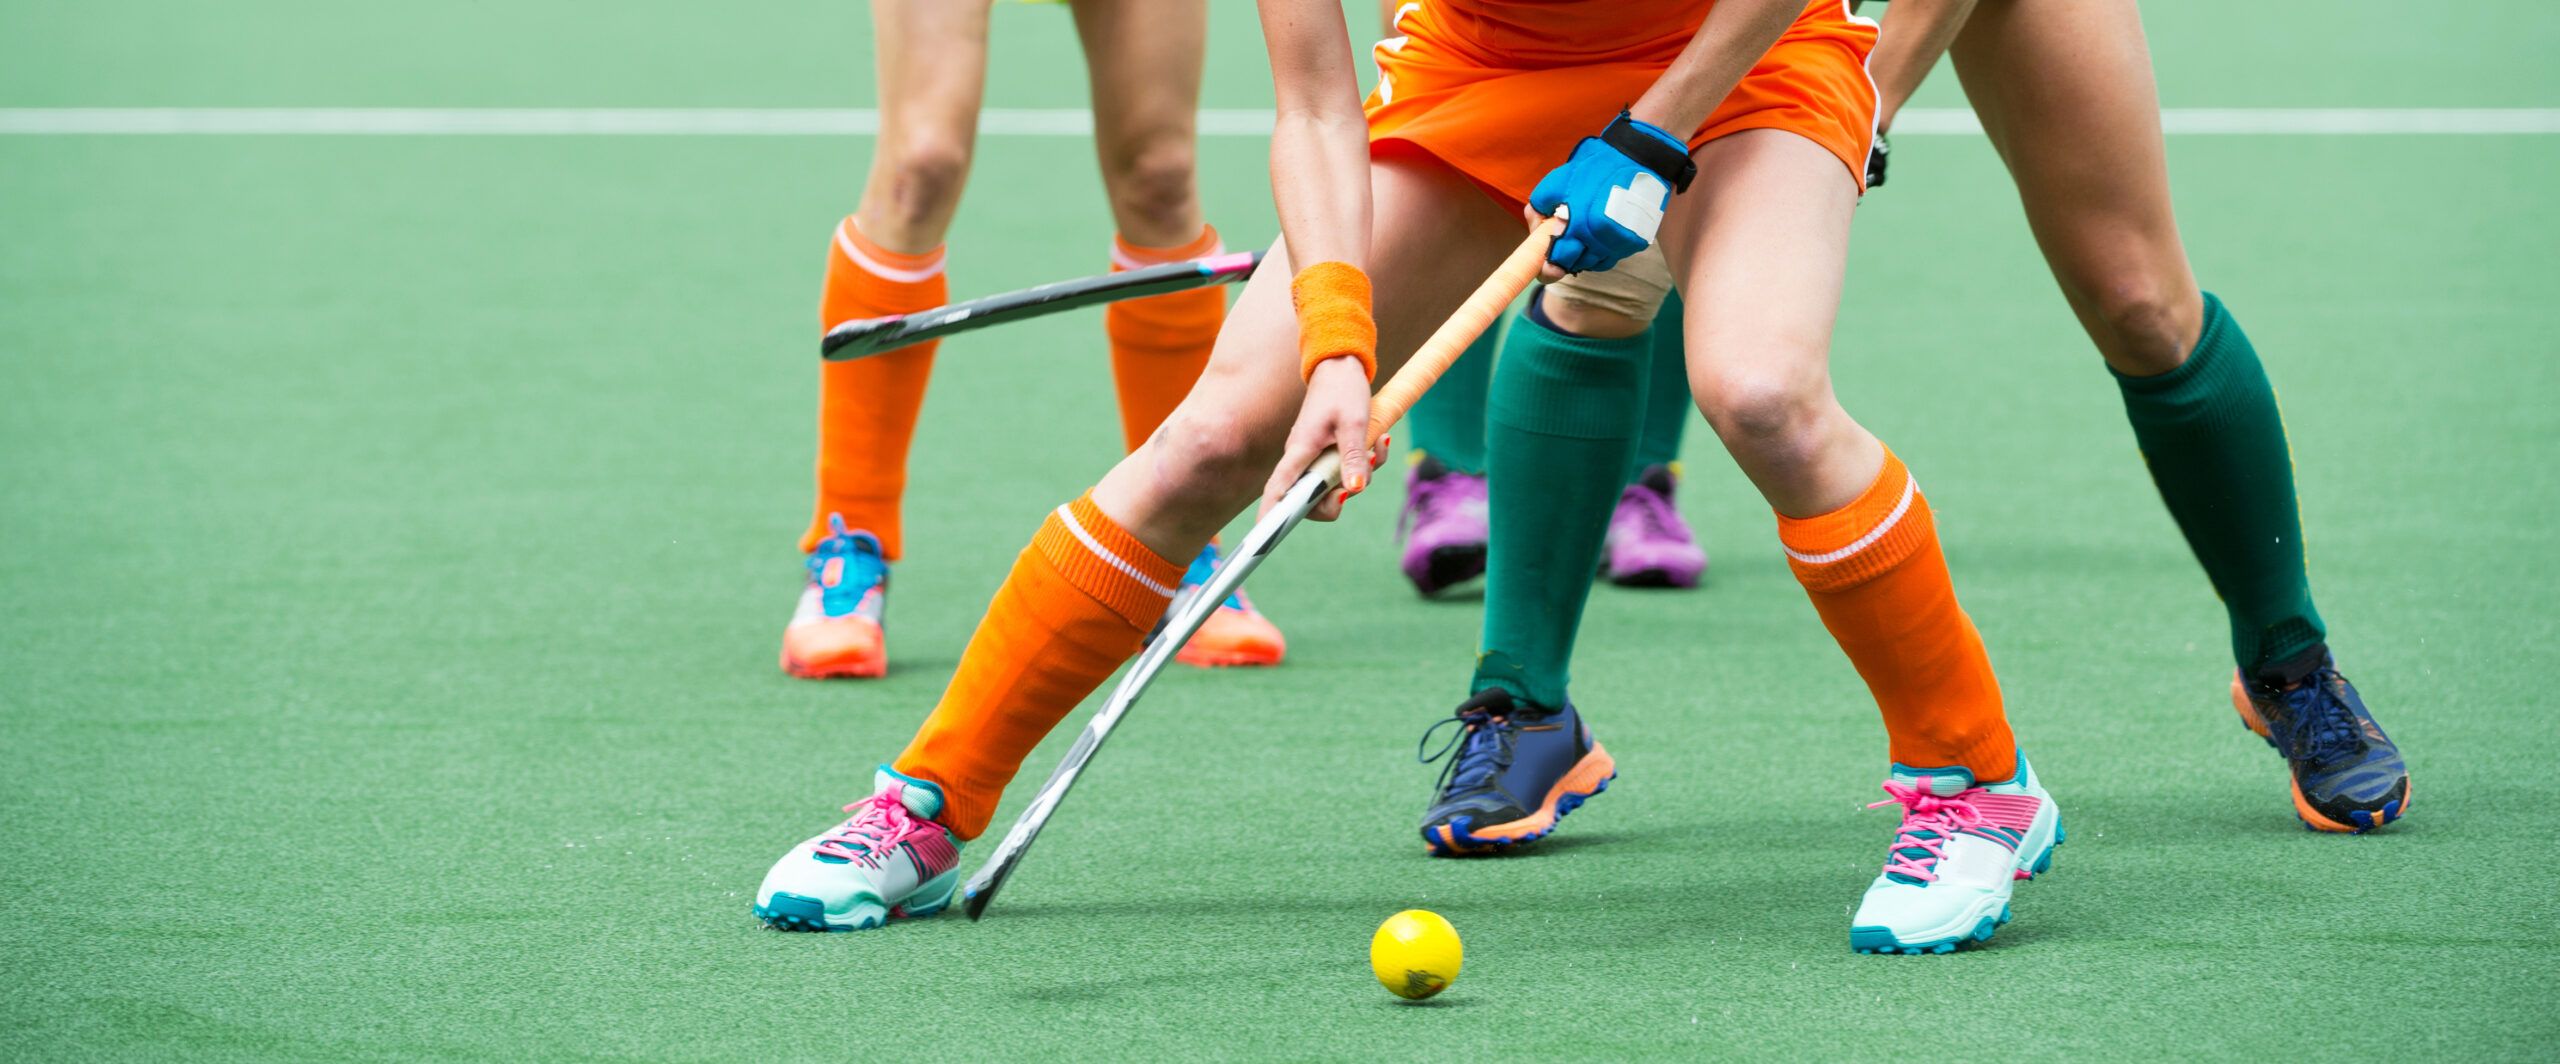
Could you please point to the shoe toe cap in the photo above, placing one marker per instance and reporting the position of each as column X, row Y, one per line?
column 798, row 872
column 835, row 640
column 1235, row 637
column 1659, row 564
column 2356, row 808
column 1473, row 811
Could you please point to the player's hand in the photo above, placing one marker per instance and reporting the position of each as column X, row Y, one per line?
column 1615, row 188
column 1335, row 416
column 1337, row 353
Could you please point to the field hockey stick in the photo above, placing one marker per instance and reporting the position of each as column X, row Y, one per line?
column 870, row 336
column 1385, row 408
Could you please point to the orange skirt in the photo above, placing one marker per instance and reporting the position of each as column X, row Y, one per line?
column 1505, row 120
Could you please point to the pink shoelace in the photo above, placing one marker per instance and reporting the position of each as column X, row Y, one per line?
column 880, row 824
column 1923, row 811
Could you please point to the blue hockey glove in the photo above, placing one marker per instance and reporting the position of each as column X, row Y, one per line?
column 1616, row 185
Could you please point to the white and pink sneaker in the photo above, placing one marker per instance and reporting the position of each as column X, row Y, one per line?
column 1961, row 849
column 889, row 861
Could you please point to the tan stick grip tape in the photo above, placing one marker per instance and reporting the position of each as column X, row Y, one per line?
column 1471, row 320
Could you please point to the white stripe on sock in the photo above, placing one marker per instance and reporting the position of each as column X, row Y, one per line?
column 1126, row 261
column 1068, row 518
column 853, row 250
column 1910, row 488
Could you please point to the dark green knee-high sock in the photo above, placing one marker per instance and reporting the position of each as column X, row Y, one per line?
column 1668, row 407
column 2215, row 442
column 1562, row 423
column 1448, row 421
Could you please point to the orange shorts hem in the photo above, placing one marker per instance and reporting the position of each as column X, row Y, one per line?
column 1505, row 122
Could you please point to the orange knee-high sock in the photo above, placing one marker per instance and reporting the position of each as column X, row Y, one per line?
column 1079, row 601
column 1159, row 344
column 867, row 407
column 1877, row 577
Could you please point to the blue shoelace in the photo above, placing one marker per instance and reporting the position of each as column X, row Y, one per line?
column 2317, row 725
column 1205, row 565
column 864, row 568
column 1483, row 747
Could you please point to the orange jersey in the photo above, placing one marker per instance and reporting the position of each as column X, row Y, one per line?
column 1501, row 90
column 1570, row 33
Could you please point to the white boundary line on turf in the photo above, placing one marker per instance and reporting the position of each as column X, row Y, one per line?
column 1072, row 122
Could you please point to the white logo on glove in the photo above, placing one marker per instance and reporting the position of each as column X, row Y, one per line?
column 1637, row 205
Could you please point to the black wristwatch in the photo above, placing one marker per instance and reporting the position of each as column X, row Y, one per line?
column 1650, row 152
column 1876, row 154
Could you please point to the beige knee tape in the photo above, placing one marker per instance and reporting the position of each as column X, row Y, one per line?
column 1635, row 289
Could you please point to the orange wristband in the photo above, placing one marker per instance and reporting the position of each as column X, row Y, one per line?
column 1333, row 317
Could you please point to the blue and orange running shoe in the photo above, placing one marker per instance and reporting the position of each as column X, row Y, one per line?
column 1237, row 634
column 1515, row 769
column 837, row 629
column 2347, row 775
column 1955, row 860
column 889, row 861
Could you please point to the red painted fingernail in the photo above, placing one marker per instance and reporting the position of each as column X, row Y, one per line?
column 1340, row 497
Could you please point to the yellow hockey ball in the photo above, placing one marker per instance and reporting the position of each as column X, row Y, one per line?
column 1415, row 954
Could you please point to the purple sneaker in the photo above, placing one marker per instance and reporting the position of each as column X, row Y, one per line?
column 1649, row 545
column 1444, row 526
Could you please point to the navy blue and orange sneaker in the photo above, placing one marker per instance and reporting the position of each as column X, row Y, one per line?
column 2347, row 774
column 1515, row 769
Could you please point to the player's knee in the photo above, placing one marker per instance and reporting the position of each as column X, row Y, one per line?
column 1210, row 453
column 1155, row 190
column 2145, row 331
column 925, row 179
column 1766, row 413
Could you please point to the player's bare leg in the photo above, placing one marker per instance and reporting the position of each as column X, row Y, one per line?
column 1759, row 346
column 931, row 64
column 1435, row 238
column 1144, row 59
column 885, row 259
column 1760, row 243
column 2065, row 90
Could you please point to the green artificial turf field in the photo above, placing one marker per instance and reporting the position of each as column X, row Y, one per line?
column 395, row 533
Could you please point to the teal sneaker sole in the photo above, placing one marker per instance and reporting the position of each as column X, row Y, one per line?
column 794, row 912
column 800, row 912
column 2044, row 861
column 1881, row 939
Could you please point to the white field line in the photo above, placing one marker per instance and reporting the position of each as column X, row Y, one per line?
column 1070, row 122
